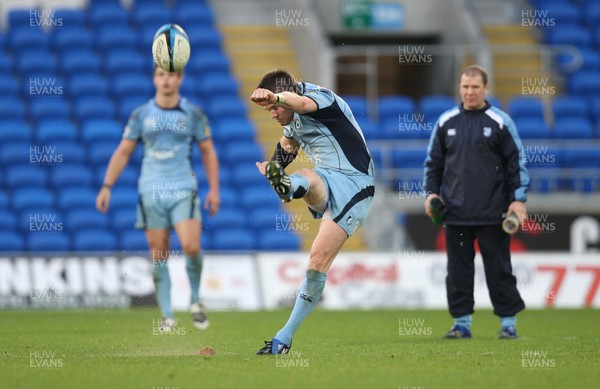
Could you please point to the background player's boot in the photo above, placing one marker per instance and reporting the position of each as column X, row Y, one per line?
column 199, row 318
column 508, row 333
column 458, row 332
column 274, row 346
column 279, row 181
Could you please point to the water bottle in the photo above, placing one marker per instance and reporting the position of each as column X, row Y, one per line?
column 438, row 210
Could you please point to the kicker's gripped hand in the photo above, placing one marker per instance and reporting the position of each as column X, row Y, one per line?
column 263, row 97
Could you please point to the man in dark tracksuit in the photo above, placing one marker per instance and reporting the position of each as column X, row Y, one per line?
column 475, row 163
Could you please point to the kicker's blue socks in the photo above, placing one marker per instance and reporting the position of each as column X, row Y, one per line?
column 308, row 296
column 464, row 321
column 193, row 265
column 300, row 185
column 508, row 321
column 162, row 286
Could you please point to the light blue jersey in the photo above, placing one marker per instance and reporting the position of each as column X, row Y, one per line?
column 167, row 136
column 330, row 137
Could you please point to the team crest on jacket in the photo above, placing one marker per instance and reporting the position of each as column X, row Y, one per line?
column 487, row 132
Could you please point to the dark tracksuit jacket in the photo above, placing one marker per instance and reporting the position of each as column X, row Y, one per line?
column 476, row 163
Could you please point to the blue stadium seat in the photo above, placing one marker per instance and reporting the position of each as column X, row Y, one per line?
column 15, row 153
column 494, row 101
column 233, row 130
column 122, row 197
column 87, row 84
column 434, row 105
column 570, row 35
column 150, row 14
column 19, row 176
column 189, row 86
column 358, row 105
column 409, row 158
column 570, row 106
column 541, row 156
column 270, row 240
column 23, row 37
column 377, row 157
column 590, row 60
column 573, row 128
column 102, row 14
column 263, row 217
column 246, row 174
column 532, row 128
column 394, row 106
column 97, row 107
column 128, row 103
column 49, row 108
column 259, row 195
column 228, row 106
column 218, row 84
column 18, row 18
column 71, row 151
column 132, row 84
column 233, row 239
column 576, row 157
column 585, row 84
column 99, row 153
column 9, row 220
column 203, row 37
column 133, row 240
column 78, row 197
column 3, row 200
column 110, row 36
column 6, row 63
column 369, row 129
column 72, row 37
column 69, row 17
column 9, row 85
column 97, row 130
column 187, row 14
column 36, row 61
column 31, row 198
column 122, row 219
column 242, row 152
column 226, row 218
column 48, row 241
column 51, row 130
column 71, row 175
column 519, row 107
column 591, row 13
column 40, row 219
column 564, row 13
column 11, row 108
column 209, row 62
column 77, row 60
column 120, row 61
column 14, row 130
column 94, row 240
column 83, row 218
column 11, row 241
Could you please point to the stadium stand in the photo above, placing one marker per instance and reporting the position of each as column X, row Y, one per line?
column 100, row 86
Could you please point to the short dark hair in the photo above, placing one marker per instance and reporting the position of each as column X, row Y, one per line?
column 278, row 81
column 473, row 70
column 179, row 72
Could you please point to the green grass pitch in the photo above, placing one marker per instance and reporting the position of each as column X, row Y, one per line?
column 345, row 349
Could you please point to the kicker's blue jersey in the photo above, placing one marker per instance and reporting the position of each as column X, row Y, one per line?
column 168, row 136
column 330, row 137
